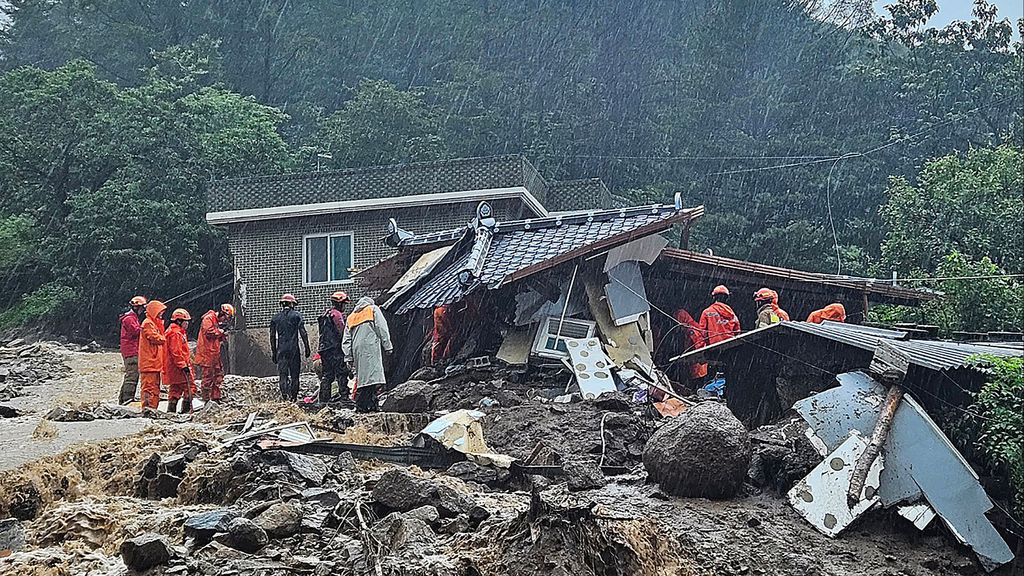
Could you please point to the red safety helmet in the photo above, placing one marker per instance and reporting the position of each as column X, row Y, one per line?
column 339, row 297
column 720, row 289
column 227, row 309
column 137, row 301
column 288, row 298
column 764, row 294
column 180, row 314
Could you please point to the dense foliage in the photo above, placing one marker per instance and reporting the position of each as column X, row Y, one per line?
column 784, row 118
column 999, row 407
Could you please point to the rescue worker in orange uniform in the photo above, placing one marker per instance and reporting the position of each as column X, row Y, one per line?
column 131, row 328
column 694, row 339
column 211, row 334
column 782, row 314
column 835, row 312
column 768, row 311
column 151, row 354
column 444, row 333
column 177, row 373
column 718, row 322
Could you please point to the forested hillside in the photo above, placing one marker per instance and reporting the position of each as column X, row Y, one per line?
column 786, row 119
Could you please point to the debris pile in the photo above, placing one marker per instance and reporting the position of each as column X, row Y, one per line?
column 23, row 364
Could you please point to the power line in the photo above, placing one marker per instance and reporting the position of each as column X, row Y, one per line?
column 693, row 158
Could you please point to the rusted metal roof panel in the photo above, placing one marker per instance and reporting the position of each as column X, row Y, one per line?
column 744, row 270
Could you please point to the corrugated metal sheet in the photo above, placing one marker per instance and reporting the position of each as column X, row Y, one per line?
column 932, row 354
column 751, row 271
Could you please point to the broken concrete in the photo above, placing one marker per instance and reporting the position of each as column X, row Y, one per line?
column 702, row 453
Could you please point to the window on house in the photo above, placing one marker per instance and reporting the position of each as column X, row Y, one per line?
column 327, row 258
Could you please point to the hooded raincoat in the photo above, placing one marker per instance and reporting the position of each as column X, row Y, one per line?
column 718, row 322
column 151, row 342
column 834, row 312
column 366, row 337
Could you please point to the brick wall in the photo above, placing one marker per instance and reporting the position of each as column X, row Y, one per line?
column 268, row 253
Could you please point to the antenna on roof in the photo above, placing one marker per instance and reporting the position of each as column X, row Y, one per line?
column 322, row 156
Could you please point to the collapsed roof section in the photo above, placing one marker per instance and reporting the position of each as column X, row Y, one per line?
column 491, row 254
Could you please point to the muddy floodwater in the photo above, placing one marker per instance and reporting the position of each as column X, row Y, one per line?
column 94, row 377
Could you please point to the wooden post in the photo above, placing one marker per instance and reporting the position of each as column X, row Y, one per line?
column 867, row 306
column 878, row 436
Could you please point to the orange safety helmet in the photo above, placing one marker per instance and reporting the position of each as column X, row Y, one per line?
column 339, row 297
column 288, row 298
column 137, row 301
column 180, row 314
column 227, row 309
column 765, row 294
column 720, row 289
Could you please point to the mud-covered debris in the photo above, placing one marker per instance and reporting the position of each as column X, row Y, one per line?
column 26, row 502
column 12, row 536
column 702, row 453
column 400, row 491
column 321, row 497
column 583, row 474
column 310, row 468
column 202, row 527
column 243, row 534
column 492, row 476
column 782, row 455
column 280, row 520
column 145, row 551
column 396, row 531
column 613, row 402
column 90, row 412
column 411, row 396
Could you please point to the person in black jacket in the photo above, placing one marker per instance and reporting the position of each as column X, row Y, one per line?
column 332, row 328
column 285, row 328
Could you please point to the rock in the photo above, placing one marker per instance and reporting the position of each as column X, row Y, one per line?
column 782, row 455
column 397, row 531
column 345, row 463
column 583, row 475
column 425, row 373
column 455, row 525
column 428, row 514
column 450, row 502
column 310, row 468
column 26, row 502
column 145, row 551
column 8, row 412
column 702, row 453
column 202, row 527
column 397, row 490
column 280, row 520
column 12, row 536
column 473, row 472
column 165, row 486
column 477, row 514
column 412, row 396
column 613, row 402
column 245, row 535
column 321, row 497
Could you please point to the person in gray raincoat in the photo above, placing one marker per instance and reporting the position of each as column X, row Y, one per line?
column 364, row 344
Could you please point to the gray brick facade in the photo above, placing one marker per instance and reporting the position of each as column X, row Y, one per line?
column 268, row 253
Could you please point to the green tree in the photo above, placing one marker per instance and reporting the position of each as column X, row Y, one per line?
column 1000, row 409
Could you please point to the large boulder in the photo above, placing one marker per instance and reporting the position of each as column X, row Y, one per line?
column 145, row 551
column 280, row 520
column 399, row 491
column 202, row 527
column 702, row 453
column 411, row 396
column 243, row 534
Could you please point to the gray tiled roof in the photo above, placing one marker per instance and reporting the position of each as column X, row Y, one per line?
column 520, row 245
column 376, row 182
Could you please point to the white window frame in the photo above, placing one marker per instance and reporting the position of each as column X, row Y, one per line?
column 328, row 235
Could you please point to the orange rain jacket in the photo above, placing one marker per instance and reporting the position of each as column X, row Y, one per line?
column 782, row 314
column 694, row 339
column 208, row 343
column 834, row 312
column 718, row 322
column 176, row 356
column 151, row 342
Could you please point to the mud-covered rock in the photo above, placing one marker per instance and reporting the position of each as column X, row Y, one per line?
column 12, row 536
column 309, row 468
column 26, row 502
column 473, row 472
column 410, row 396
column 400, row 491
column 782, row 455
column 280, row 520
column 398, row 531
column 704, row 453
column 243, row 534
column 583, row 474
column 145, row 551
column 428, row 514
column 202, row 527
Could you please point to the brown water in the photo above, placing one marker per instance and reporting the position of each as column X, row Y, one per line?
column 95, row 377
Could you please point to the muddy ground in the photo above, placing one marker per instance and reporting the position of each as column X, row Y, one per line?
column 76, row 504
